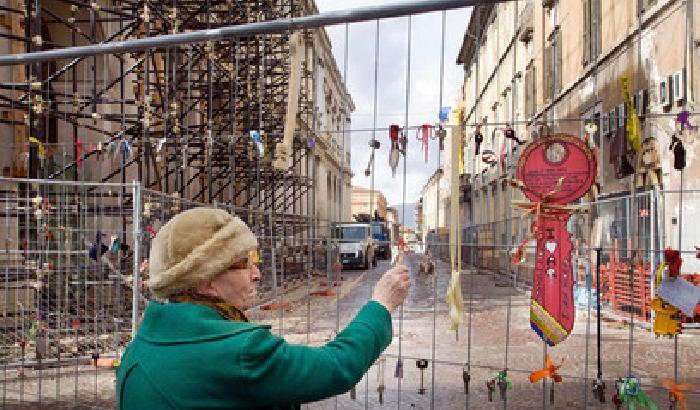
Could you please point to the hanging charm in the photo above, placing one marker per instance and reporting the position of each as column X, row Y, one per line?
column 421, row 364
column 78, row 153
column 114, row 244
column 683, row 118
column 676, row 396
column 628, row 392
column 257, row 140
column 478, row 139
column 398, row 371
column 509, row 133
column 394, row 152
column 599, row 390
column 424, row 134
column 380, row 378
column 98, row 248
column 552, row 171
column 549, row 371
column 490, row 388
column 489, row 157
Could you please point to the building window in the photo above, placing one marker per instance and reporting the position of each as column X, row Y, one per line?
column 644, row 5
column 553, row 65
column 592, row 31
column 530, row 90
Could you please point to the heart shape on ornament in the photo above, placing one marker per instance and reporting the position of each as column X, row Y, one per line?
column 550, row 246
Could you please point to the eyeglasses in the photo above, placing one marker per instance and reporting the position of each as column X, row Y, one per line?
column 252, row 261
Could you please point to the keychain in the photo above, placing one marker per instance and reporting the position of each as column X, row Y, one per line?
column 380, row 379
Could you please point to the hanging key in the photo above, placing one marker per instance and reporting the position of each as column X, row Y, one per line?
column 617, row 401
column 380, row 379
column 41, row 345
column 551, row 393
column 502, row 387
column 421, row 364
column 466, row 377
column 398, row 372
column 490, row 387
column 599, row 390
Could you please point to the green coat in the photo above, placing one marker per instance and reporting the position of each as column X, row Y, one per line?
column 187, row 356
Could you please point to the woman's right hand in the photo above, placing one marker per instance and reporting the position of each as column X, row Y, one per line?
column 392, row 288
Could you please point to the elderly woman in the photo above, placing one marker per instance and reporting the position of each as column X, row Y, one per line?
column 196, row 349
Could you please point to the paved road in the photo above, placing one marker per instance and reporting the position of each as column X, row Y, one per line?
column 499, row 324
column 496, row 334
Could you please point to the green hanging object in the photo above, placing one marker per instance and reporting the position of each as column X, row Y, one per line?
column 500, row 381
column 629, row 392
column 502, row 378
column 32, row 331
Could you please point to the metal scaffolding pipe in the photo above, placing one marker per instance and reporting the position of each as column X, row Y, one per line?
column 250, row 29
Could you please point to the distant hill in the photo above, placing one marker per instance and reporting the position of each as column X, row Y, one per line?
column 410, row 218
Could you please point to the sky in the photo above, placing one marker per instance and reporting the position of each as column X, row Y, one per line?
column 424, row 100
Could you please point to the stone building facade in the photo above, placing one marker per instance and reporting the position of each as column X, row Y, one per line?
column 553, row 66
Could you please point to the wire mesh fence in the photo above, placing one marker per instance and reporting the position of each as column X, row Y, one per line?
column 74, row 263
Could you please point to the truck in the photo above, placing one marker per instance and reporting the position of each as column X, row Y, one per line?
column 380, row 234
column 355, row 244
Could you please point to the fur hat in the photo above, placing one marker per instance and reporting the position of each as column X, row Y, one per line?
column 195, row 246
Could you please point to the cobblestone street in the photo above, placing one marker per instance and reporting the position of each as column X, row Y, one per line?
column 652, row 359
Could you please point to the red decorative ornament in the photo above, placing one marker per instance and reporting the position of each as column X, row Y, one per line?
column 553, row 171
column 394, row 133
column 78, row 153
column 424, row 134
column 673, row 261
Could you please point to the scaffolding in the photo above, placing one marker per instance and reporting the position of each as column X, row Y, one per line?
column 175, row 118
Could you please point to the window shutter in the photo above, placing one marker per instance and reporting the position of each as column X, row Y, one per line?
column 548, row 72
column 527, row 92
column 585, row 45
column 558, row 63
column 596, row 29
column 534, row 89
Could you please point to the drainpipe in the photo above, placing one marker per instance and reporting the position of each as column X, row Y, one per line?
column 689, row 44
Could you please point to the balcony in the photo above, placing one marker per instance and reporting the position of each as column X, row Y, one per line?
column 527, row 26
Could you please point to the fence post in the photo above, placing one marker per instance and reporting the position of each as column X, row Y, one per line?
column 135, row 283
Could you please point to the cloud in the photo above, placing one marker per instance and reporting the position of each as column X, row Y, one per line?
column 424, row 100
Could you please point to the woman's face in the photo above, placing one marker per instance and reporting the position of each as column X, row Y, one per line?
column 236, row 285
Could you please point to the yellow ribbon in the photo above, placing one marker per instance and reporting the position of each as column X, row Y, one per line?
column 632, row 124
column 549, row 370
column 42, row 150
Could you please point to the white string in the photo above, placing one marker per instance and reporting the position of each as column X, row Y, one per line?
column 403, row 204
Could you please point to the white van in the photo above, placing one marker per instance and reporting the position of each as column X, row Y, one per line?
column 355, row 244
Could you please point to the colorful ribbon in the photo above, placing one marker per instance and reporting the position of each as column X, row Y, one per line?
column 675, row 392
column 549, row 370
